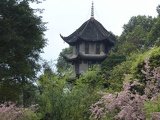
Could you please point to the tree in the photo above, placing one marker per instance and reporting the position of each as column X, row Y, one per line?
column 134, row 37
column 158, row 10
column 112, row 61
column 146, row 22
column 62, row 65
column 21, row 42
column 154, row 34
column 62, row 101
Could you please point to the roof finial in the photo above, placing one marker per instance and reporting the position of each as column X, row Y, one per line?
column 92, row 10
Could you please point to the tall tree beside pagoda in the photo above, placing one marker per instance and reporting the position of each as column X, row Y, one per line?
column 21, row 42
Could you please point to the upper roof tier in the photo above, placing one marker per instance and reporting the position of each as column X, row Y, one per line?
column 91, row 30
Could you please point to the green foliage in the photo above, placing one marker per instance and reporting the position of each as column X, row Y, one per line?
column 150, row 107
column 128, row 104
column 132, row 67
column 153, row 55
column 21, row 41
column 158, row 9
column 127, row 48
column 137, row 36
column 154, row 34
column 134, row 37
column 117, row 75
column 112, row 61
column 93, row 79
column 20, row 48
column 146, row 22
column 9, row 111
column 9, row 90
column 62, row 101
column 62, row 65
column 30, row 115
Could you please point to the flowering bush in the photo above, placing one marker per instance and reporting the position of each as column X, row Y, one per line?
column 9, row 111
column 120, row 105
column 129, row 104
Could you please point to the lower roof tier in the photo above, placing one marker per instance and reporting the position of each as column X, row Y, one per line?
column 92, row 57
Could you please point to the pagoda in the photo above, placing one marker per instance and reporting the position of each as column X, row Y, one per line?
column 91, row 43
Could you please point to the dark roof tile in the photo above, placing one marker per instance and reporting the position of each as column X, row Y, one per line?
column 91, row 30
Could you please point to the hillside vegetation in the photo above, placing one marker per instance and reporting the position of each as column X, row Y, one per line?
column 125, row 87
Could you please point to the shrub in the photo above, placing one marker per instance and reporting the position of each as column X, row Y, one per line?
column 129, row 104
column 152, row 108
column 153, row 58
column 61, row 100
column 9, row 111
column 115, row 77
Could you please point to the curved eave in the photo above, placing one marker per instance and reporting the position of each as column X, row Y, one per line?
column 90, row 31
column 93, row 56
column 70, row 57
column 79, row 39
column 112, row 39
column 65, row 39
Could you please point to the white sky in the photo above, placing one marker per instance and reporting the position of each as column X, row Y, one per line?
column 65, row 16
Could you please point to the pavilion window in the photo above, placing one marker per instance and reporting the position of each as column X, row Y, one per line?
column 86, row 48
column 97, row 48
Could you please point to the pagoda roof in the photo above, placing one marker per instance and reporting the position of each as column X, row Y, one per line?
column 91, row 30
